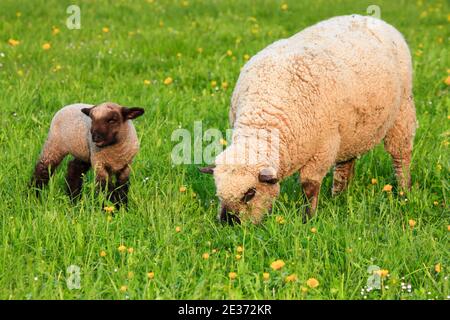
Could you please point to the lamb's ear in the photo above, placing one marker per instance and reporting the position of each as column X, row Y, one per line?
column 268, row 175
column 86, row 111
column 208, row 169
column 131, row 113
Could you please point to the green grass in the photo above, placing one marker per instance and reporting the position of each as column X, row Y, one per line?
column 41, row 237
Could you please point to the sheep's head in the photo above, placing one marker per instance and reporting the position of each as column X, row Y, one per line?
column 108, row 121
column 245, row 192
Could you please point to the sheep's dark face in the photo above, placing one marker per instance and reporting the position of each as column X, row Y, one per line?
column 245, row 193
column 108, row 121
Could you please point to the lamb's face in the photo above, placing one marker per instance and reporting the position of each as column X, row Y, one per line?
column 108, row 120
column 245, row 193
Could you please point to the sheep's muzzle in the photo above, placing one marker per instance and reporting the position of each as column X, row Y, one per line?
column 228, row 217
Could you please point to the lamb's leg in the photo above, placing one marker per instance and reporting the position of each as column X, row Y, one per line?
column 120, row 195
column 45, row 167
column 343, row 172
column 399, row 142
column 74, row 178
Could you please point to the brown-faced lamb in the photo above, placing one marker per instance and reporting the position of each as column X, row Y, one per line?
column 332, row 92
column 102, row 137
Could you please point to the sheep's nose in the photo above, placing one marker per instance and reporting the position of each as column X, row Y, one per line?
column 227, row 216
column 97, row 137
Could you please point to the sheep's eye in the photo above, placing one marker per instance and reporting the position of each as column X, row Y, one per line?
column 249, row 195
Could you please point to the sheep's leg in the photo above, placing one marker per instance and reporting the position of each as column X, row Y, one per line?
column 120, row 195
column 343, row 172
column 313, row 172
column 45, row 168
column 103, row 182
column 76, row 169
column 399, row 143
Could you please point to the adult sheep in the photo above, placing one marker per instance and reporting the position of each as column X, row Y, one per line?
column 332, row 92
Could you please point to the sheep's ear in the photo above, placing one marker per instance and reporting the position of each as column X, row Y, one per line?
column 268, row 175
column 208, row 169
column 132, row 113
column 86, row 111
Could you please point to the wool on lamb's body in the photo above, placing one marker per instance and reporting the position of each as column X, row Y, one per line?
column 101, row 136
column 333, row 91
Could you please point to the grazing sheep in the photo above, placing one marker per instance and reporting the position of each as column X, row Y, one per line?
column 332, row 92
column 99, row 136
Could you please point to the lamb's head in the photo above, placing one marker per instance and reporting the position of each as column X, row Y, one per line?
column 108, row 121
column 245, row 192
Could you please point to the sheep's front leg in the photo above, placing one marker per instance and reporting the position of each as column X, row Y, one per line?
column 103, row 181
column 120, row 195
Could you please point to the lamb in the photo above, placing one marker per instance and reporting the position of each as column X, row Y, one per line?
column 332, row 92
column 100, row 136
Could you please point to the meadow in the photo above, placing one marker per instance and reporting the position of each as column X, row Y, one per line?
column 180, row 60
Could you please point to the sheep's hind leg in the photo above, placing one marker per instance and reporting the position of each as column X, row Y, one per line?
column 75, row 171
column 399, row 143
column 44, row 169
column 343, row 172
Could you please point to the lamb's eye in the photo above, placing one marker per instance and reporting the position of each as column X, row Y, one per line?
column 249, row 195
column 112, row 121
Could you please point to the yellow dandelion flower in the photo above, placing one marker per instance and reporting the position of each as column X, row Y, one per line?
column 109, row 209
column 150, row 275
column 205, row 256
column 130, row 275
column 436, row 203
column 229, row 53
column 102, row 253
column 438, row 268
column 312, row 283
column 374, row 181
column 349, row 250
column 122, row 248
column 232, row 275
column 387, row 188
column 277, row 264
column 313, row 230
column 401, row 193
column 185, row 3
column 130, row 250
column 179, row 55
column 246, row 57
column 304, row 289
column 161, row 23
column 238, row 257
column 411, row 223
column 183, row 189
column 18, row 14
column 178, row 229
column 55, row 31
column 223, row 142
column 200, row 50
column 284, row 7
column 105, row 29
column 13, row 42
column 147, row 82
column 382, row 273
column 57, row 68
column 224, row 85
column 240, row 249
column 214, row 83
column 123, row 288
column 266, row 276
column 448, row 227
column 168, row 81
column 280, row 220
column 20, row 73
column 448, row 17
column 291, row 278
column 447, row 81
